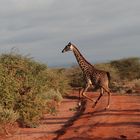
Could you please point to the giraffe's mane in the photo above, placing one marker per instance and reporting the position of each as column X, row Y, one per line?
column 81, row 55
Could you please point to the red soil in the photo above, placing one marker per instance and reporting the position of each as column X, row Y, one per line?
column 120, row 122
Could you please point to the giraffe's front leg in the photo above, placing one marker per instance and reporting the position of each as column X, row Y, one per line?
column 80, row 104
column 83, row 93
column 80, row 98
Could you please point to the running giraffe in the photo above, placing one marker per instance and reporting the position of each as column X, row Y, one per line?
column 94, row 77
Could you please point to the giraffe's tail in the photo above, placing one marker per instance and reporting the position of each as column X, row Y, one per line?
column 108, row 75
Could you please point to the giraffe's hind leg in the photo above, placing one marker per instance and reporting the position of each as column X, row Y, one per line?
column 109, row 97
column 101, row 94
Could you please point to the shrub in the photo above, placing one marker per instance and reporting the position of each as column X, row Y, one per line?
column 53, row 100
column 129, row 68
column 30, row 108
column 23, row 83
column 7, row 118
column 133, row 84
column 137, row 83
column 58, row 80
column 76, row 77
column 53, row 95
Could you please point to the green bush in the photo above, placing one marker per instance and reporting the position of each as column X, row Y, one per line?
column 128, row 68
column 23, row 83
column 53, row 99
column 52, row 94
column 137, row 83
column 76, row 78
column 30, row 108
column 58, row 81
column 8, row 116
column 7, row 119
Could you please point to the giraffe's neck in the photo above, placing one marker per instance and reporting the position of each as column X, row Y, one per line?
column 83, row 63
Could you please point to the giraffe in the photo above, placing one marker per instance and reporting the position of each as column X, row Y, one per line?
column 94, row 77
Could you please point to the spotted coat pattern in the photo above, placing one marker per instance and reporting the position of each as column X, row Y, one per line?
column 92, row 75
column 95, row 77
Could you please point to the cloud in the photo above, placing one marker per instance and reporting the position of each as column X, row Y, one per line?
column 101, row 29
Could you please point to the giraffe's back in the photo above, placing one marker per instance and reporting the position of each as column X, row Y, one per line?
column 99, row 78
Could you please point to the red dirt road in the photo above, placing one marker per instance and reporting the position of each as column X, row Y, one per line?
column 120, row 122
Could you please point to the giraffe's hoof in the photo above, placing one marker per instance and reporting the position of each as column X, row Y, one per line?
column 94, row 101
column 94, row 105
column 79, row 104
column 107, row 108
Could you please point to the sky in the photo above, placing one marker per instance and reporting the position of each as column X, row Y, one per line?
column 102, row 30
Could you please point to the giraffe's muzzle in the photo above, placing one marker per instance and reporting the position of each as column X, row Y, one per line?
column 63, row 51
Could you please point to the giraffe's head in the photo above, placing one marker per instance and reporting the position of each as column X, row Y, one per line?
column 68, row 47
